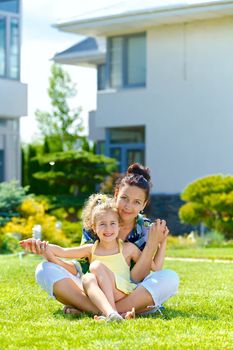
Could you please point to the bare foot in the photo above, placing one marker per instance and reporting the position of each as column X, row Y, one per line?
column 70, row 310
column 99, row 318
column 129, row 314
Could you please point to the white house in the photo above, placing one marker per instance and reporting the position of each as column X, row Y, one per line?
column 165, row 85
column 13, row 94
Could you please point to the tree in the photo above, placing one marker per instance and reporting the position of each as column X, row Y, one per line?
column 11, row 196
column 68, row 163
column 62, row 123
column 80, row 170
column 210, row 200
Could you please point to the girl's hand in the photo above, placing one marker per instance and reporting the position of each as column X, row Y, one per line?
column 47, row 253
column 35, row 246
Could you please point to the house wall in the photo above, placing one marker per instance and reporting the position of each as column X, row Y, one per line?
column 13, row 98
column 187, row 105
column 10, row 145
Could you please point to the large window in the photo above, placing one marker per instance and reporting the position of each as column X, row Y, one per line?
column 2, row 46
column 126, row 61
column 126, row 145
column 9, row 39
column 9, row 6
column 101, row 76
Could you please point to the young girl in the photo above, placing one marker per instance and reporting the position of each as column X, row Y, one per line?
column 109, row 257
column 63, row 283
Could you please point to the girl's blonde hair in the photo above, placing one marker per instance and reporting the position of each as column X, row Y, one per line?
column 95, row 204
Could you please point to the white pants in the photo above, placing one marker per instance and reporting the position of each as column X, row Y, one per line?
column 162, row 284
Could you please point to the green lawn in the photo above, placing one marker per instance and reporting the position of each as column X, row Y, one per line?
column 199, row 317
column 225, row 253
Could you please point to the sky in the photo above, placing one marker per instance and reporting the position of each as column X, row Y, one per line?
column 39, row 44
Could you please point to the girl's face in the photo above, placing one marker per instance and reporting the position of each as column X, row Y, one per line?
column 130, row 200
column 106, row 225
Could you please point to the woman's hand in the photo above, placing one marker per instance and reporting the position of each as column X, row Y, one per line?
column 35, row 246
column 158, row 231
column 165, row 234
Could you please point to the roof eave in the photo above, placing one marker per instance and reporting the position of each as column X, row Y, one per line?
column 137, row 21
column 86, row 59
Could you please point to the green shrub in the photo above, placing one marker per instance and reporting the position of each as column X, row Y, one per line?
column 8, row 244
column 73, row 230
column 210, row 201
column 34, row 212
column 185, row 241
column 212, row 239
column 11, row 196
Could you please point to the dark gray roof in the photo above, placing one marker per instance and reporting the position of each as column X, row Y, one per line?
column 89, row 44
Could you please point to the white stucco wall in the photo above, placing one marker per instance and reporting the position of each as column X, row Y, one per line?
column 13, row 105
column 13, row 98
column 190, row 131
column 10, row 143
column 187, row 106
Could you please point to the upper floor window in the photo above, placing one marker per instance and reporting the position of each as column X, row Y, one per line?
column 9, row 41
column 9, row 6
column 126, row 63
column 101, row 76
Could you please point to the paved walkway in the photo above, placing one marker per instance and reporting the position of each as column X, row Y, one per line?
column 200, row 260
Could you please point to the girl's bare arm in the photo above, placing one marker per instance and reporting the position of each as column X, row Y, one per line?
column 37, row 247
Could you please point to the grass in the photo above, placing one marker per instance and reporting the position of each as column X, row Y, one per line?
column 199, row 317
column 225, row 253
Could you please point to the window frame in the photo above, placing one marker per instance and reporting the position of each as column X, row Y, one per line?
column 124, row 58
column 13, row 12
column 124, row 147
column 8, row 16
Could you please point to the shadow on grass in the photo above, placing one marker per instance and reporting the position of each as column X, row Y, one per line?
column 169, row 314
column 60, row 314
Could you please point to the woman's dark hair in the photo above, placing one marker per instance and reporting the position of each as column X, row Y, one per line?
column 136, row 175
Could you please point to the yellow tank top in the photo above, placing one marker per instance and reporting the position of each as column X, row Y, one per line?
column 118, row 265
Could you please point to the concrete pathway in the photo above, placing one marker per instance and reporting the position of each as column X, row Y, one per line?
column 199, row 260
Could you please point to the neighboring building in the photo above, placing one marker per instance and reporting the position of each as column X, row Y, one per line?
column 13, row 94
column 165, row 86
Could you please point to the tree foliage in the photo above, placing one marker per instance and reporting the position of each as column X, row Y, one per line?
column 63, row 123
column 11, row 196
column 80, row 170
column 210, row 200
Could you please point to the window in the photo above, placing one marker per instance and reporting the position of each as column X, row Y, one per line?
column 126, row 135
column 1, row 165
column 9, row 40
column 126, row 62
column 14, row 49
column 126, row 145
column 101, row 76
column 2, row 46
column 3, row 123
column 9, row 6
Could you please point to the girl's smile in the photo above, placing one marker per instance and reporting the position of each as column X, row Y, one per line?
column 107, row 225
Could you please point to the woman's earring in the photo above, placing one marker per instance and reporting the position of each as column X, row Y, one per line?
column 141, row 212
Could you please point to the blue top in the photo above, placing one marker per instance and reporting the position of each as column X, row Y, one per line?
column 138, row 235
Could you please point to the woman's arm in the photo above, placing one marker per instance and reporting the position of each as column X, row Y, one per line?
column 160, row 256
column 143, row 266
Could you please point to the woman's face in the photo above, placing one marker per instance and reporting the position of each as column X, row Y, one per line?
column 130, row 200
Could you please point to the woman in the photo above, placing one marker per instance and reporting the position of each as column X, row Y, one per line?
column 131, row 194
